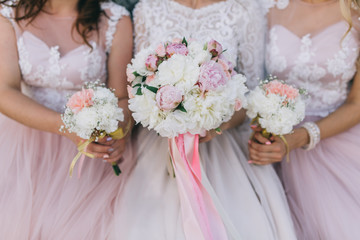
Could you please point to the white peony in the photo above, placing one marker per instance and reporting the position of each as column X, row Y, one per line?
column 180, row 71
column 197, row 52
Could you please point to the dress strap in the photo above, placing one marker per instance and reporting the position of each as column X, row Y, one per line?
column 116, row 13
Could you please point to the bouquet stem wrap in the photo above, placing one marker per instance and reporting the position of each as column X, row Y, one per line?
column 200, row 217
column 118, row 134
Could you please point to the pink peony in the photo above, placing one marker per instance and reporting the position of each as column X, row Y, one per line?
column 149, row 79
column 238, row 104
column 176, row 40
column 176, row 48
column 282, row 89
column 130, row 75
column 151, row 62
column 214, row 48
column 224, row 64
column 212, row 75
column 168, row 97
column 160, row 50
column 129, row 90
column 80, row 100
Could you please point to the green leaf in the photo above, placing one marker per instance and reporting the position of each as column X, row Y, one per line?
column 137, row 85
column 153, row 89
column 139, row 92
column 184, row 41
column 181, row 107
column 136, row 74
column 143, row 78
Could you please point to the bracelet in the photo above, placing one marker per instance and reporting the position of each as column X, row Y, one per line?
column 314, row 134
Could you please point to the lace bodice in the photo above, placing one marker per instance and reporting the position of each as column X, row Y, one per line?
column 239, row 25
column 48, row 76
column 320, row 61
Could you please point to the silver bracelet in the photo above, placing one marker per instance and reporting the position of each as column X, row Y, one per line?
column 314, row 134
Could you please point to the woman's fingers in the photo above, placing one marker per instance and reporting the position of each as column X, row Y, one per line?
column 108, row 141
column 261, row 139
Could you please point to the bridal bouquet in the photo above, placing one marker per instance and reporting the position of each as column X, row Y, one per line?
column 93, row 113
column 184, row 87
column 276, row 106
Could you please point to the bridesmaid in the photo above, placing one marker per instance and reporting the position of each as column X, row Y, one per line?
column 244, row 202
column 49, row 48
column 315, row 45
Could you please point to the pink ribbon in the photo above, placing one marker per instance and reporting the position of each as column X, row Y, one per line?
column 200, row 217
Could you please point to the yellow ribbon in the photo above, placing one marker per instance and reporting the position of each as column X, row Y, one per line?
column 118, row 134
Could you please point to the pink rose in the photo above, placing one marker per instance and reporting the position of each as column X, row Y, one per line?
column 130, row 75
column 149, row 79
column 129, row 90
column 176, row 48
column 212, row 75
column 238, row 104
column 168, row 97
column 214, row 48
column 80, row 100
column 160, row 50
column 151, row 62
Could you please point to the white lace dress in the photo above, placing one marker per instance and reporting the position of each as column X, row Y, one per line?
column 38, row 199
column 249, row 199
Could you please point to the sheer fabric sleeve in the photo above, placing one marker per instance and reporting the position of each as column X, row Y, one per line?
column 114, row 13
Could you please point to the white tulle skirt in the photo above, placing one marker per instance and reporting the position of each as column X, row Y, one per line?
column 249, row 198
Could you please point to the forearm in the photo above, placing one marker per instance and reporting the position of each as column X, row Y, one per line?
column 345, row 117
column 24, row 110
column 123, row 103
column 237, row 119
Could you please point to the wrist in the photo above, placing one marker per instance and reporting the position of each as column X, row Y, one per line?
column 300, row 138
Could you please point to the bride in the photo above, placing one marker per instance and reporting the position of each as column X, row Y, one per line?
column 249, row 201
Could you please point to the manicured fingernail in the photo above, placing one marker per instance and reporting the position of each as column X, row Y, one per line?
column 250, row 161
column 110, row 150
column 249, row 141
column 109, row 139
column 253, row 126
column 268, row 143
column 106, row 156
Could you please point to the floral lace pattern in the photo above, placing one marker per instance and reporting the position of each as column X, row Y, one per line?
column 49, row 77
column 238, row 25
column 325, row 76
column 117, row 12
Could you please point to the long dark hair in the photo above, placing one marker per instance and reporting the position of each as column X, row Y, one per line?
column 89, row 13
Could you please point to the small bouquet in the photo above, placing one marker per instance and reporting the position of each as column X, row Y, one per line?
column 182, row 87
column 93, row 113
column 276, row 106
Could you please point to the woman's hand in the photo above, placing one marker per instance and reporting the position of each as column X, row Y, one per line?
column 106, row 148
column 208, row 136
column 262, row 151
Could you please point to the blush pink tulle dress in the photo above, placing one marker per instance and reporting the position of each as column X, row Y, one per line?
column 306, row 48
column 38, row 199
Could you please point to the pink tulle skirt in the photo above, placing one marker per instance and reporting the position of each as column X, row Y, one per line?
column 323, row 188
column 38, row 199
